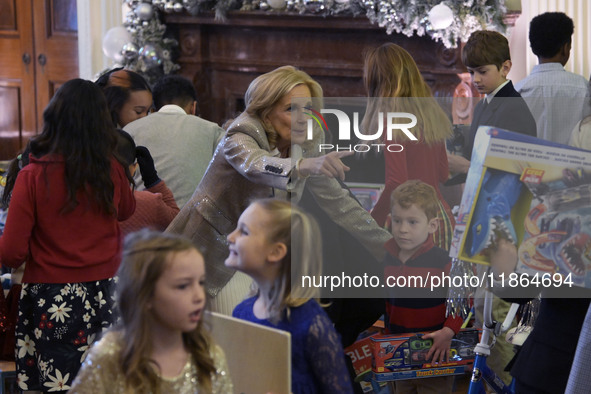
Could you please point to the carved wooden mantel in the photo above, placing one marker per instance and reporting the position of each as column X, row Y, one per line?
column 223, row 57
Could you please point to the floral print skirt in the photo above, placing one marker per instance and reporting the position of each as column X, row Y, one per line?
column 56, row 325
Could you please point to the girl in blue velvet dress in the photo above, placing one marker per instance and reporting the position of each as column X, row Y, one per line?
column 271, row 235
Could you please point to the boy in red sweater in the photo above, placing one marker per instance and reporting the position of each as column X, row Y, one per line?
column 414, row 307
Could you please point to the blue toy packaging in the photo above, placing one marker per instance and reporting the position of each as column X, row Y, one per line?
column 534, row 193
column 404, row 356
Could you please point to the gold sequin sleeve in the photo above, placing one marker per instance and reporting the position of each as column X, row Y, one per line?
column 99, row 373
column 221, row 382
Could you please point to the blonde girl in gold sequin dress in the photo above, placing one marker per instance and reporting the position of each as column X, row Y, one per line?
column 160, row 345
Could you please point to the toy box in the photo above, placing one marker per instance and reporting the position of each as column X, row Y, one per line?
column 535, row 193
column 404, row 356
column 360, row 354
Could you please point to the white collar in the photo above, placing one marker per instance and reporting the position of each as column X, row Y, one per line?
column 172, row 109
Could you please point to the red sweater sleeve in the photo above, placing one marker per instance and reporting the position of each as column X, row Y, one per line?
column 14, row 243
column 122, row 187
column 168, row 209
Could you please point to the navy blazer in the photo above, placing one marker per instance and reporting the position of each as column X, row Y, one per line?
column 507, row 110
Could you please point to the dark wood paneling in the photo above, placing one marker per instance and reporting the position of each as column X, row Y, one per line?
column 222, row 58
column 8, row 15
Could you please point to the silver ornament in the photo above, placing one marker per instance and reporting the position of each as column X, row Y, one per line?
column 314, row 5
column 150, row 54
column 263, row 6
column 277, row 4
column 169, row 7
column 290, row 5
column 145, row 24
column 178, row 7
column 130, row 51
column 144, row 11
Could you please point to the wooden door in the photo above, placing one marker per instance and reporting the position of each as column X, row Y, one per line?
column 56, row 48
column 18, row 114
column 38, row 52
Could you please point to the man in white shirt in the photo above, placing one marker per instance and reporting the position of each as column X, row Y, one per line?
column 181, row 143
column 557, row 98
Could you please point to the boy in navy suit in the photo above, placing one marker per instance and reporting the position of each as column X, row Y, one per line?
column 487, row 58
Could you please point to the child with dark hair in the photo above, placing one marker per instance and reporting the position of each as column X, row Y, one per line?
column 556, row 97
column 177, row 90
column 128, row 94
column 181, row 143
column 155, row 206
column 63, row 223
column 487, row 58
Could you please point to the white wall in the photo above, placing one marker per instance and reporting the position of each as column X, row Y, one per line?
column 95, row 18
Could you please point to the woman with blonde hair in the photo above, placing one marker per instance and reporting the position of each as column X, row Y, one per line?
column 266, row 153
column 394, row 84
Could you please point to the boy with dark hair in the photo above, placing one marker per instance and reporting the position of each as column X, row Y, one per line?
column 556, row 97
column 411, row 253
column 181, row 143
column 486, row 56
column 488, row 60
column 177, row 90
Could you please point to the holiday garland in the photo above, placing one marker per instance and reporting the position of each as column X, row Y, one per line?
column 149, row 51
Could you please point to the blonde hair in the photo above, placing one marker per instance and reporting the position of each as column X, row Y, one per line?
column 268, row 89
column 418, row 193
column 290, row 225
column 389, row 71
column 146, row 255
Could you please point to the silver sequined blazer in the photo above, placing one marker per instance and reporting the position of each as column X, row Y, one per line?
column 245, row 168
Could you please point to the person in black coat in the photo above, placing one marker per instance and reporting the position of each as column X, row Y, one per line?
column 487, row 58
column 543, row 363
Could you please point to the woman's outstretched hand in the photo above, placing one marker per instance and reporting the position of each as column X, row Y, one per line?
column 329, row 165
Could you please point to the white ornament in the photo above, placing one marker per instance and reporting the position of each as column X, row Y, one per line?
column 113, row 42
column 441, row 16
column 277, row 4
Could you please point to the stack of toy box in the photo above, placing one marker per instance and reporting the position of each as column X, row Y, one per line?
column 404, row 356
column 538, row 195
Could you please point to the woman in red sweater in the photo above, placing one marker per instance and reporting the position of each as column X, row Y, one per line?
column 63, row 222
column 394, row 84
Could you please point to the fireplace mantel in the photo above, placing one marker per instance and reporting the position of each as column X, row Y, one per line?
column 223, row 57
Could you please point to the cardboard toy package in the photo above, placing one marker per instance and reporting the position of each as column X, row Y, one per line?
column 396, row 357
column 535, row 193
column 360, row 354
